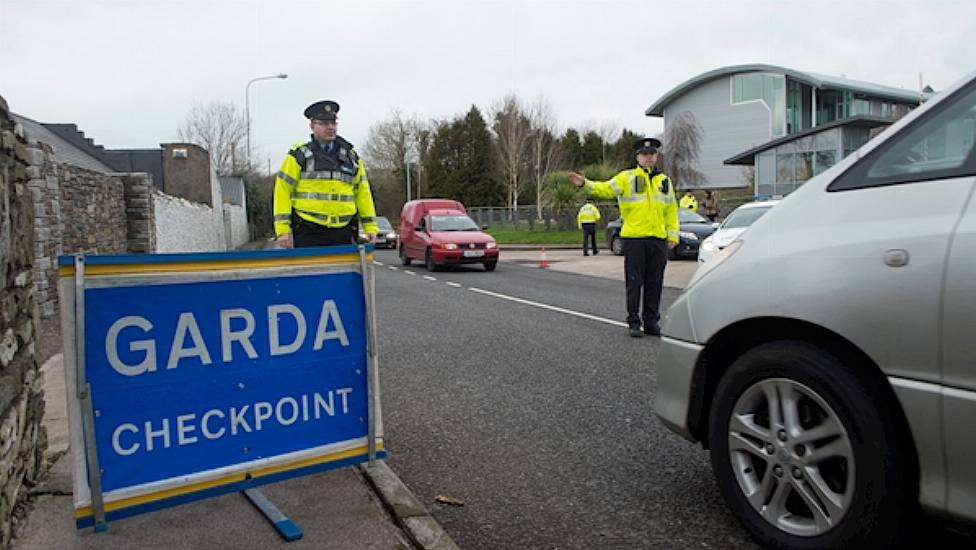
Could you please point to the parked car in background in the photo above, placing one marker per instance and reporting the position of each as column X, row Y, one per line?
column 387, row 237
column 440, row 233
column 734, row 225
column 826, row 357
column 694, row 228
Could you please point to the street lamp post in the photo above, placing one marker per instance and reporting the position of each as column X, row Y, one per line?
column 247, row 108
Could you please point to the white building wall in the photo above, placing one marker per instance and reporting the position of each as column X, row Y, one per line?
column 235, row 220
column 728, row 129
column 184, row 226
column 217, row 199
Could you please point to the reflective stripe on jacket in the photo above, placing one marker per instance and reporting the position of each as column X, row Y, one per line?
column 587, row 214
column 647, row 204
column 321, row 190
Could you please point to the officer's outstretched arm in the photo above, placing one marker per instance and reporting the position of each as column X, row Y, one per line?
column 607, row 190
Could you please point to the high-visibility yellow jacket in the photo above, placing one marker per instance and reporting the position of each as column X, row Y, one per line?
column 689, row 202
column 646, row 200
column 330, row 190
column 587, row 214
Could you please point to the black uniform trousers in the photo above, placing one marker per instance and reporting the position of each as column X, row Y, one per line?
column 589, row 236
column 644, row 262
column 306, row 233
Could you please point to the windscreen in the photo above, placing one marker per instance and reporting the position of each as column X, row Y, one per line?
column 384, row 224
column 744, row 217
column 453, row 223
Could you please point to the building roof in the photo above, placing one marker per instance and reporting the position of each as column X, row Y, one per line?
column 232, row 189
column 64, row 152
column 814, row 79
column 858, row 121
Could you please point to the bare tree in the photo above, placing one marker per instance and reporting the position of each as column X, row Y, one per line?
column 544, row 148
column 221, row 129
column 682, row 145
column 512, row 130
column 395, row 141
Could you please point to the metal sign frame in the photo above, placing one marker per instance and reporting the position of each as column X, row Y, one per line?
column 95, row 508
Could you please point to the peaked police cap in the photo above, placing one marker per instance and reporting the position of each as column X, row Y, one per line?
column 322, row 110
column 647, row 145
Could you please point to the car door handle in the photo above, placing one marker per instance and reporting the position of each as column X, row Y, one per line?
column 896, row 257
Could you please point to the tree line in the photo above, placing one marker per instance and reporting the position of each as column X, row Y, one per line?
column 509, row 155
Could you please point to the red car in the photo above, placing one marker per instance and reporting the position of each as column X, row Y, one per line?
column 439, row 232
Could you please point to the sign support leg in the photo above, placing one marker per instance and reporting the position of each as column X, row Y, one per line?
column 84, row 395
column 370, row 355
column 285, row 527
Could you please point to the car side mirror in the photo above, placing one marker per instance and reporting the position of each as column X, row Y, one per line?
column 715, row 225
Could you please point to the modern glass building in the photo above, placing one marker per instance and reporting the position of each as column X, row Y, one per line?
column 784, row 164
column 745, row 107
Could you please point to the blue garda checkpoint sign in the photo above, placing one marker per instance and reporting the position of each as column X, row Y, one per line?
column 194, row 375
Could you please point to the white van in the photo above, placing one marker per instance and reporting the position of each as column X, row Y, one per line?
column 827, row 358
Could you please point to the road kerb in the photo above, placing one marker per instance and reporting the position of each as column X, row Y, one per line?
column 408, row 512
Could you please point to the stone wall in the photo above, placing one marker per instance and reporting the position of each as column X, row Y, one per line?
column 22, row 438
column 75, row 210
column 139, row 213
column 93, row 209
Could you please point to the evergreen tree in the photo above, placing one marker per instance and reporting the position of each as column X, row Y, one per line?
column 623, row 150
column 572, row 149
column 592, row 148
column 461, row 162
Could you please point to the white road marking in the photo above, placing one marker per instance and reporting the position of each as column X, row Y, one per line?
column 394, row 268
column 429, row 278
column 549, row 307
column 377, row 263
column 451, row 283
column 408, row 272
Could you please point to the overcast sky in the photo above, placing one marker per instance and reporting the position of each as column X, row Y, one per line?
column 128, row 72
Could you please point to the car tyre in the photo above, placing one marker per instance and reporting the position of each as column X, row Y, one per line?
column 429, row 261
column 404, row 259
column 491, row 265
column 617, row 246
column 860, row 496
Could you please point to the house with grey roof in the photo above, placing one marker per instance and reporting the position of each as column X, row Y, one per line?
column 63, row 151
column 788, row 124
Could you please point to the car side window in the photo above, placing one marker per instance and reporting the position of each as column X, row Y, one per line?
column 939, row 145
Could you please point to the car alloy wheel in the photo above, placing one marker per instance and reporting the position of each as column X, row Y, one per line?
column 810, row 449
column 791, row 457
column 617, row 246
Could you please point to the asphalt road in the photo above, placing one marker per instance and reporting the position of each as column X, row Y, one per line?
column 540, row 421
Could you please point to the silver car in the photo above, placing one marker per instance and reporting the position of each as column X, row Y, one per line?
column 827, row 358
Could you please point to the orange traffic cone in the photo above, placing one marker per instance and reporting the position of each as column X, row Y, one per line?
column 543, row 263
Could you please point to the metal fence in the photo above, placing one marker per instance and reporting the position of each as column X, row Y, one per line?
column 530, row 218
